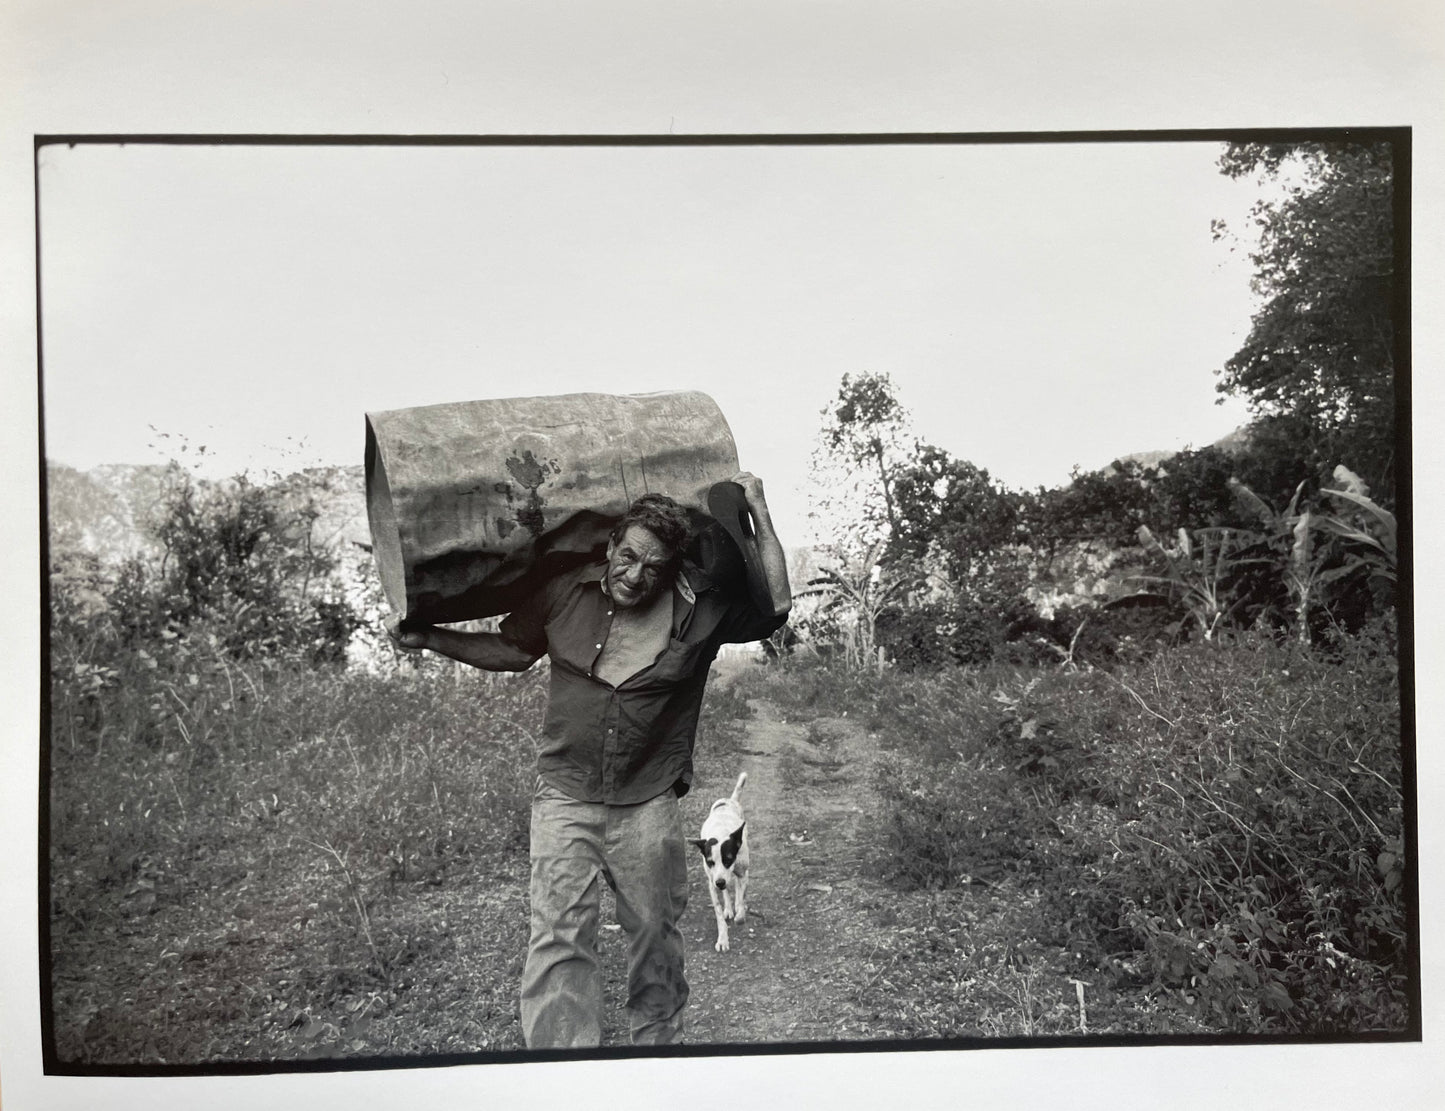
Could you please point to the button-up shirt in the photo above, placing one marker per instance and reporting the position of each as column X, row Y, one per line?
column 631, row 742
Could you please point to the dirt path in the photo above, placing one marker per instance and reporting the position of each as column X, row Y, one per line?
column 811, row 914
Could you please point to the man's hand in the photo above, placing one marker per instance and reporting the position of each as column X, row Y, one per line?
column 752, row 487
column 774, row 570
column 410, row 640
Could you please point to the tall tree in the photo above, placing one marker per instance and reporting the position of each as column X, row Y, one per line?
column 1317, row 365
column 952, row 510
column 864, row 443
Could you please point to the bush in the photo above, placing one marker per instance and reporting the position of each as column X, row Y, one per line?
column 917, row 637
column 237, row 561
column 991, row 619
column 1129, row 631
column 1230, row 813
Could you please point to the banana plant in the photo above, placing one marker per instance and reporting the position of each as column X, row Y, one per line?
column 1198, row 571
column 1307, row 565
column 862, row 590
column 1289, row 533
column 1368, row 531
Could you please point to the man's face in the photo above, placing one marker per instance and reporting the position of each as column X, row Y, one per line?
column 636, row 566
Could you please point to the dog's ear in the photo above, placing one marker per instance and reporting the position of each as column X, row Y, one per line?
column 701, row 846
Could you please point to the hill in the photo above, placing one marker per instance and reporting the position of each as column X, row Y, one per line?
column 1230, row 443
column 110, row 510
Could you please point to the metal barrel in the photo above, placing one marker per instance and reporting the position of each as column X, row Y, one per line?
column 472, row 504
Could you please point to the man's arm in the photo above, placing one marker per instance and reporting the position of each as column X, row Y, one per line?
column 489, row 651
column 774, row 569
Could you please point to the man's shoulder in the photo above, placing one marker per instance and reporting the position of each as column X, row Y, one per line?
column 547, row 589
column 589, row 571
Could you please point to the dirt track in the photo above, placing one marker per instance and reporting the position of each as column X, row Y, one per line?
column 810, row 926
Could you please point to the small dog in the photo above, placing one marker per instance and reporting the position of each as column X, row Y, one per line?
column 724, row 848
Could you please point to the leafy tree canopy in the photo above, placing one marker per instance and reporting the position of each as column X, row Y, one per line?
column 865, row 441
column 1317, row 365
column 953, row 509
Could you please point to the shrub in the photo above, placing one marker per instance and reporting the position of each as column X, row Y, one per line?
column 237, row 560
column 917, row 637
column 1232, row 813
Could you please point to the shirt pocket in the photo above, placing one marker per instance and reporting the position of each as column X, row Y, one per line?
column 680, row 660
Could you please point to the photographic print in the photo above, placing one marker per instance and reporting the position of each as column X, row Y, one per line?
column 1031, row 664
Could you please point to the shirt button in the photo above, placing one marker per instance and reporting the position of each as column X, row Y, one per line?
column 599, row 646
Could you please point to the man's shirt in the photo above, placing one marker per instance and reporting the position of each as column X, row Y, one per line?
column 631, row 742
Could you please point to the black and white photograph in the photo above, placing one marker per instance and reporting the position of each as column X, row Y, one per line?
column 986, row 552
column 731, row 595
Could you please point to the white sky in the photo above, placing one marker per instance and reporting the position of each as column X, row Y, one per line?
column 1037, row 306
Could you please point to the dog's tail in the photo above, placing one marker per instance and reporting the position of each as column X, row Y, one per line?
column 738, row 789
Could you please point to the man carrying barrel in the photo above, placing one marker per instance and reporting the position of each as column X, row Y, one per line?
column 631, row 639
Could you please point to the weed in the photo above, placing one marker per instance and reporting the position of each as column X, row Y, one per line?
column 1230, row 813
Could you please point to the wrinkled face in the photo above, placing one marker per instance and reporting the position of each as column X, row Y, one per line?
column 636, row 566
column 718, row 856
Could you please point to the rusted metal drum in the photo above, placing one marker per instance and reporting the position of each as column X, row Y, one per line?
column 471, row 504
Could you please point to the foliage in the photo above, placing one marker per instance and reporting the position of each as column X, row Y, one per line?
column 863, row 443
column 950, row 509
column 1127, row 630
column 980, row 962
column 922, row 636
column 1225, row 818
column 1367, row 532
column 1108, row 505
column 1189, row 489
column 1199, row 571
column 855, row 594
column 1317, row 365
column 238, row 572
column 297, row 807
column 1333, row 552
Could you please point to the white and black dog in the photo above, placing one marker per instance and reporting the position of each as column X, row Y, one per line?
column 724, row 847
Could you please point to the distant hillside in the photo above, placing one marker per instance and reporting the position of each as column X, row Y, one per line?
column 110, row 510
column 1232, row 442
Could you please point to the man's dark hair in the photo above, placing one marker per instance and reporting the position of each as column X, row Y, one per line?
column 662, row 517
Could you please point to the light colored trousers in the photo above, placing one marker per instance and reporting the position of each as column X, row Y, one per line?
column 641, row 852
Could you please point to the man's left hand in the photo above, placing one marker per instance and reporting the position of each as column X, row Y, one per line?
column 752, row 486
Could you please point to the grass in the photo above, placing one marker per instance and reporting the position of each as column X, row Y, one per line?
column 968, row 963
column 1217, row 827
column 270, row 864
column 232, row 871
column 251, row 863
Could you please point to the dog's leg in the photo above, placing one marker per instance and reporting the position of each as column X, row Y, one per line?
column 717, row 909
column 740, row 871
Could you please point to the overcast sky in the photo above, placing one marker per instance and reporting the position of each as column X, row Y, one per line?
column 1038, row 306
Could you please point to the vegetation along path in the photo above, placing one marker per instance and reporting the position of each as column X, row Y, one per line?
column 957, row 855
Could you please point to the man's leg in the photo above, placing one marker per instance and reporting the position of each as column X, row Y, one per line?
column 647, row 860
column 562, row 980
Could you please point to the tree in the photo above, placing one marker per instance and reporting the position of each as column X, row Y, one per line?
column 1191, row 489
column 1317, row 366
column 950, row 509
column 1105, row 507
column 238, row 563
column 856, row 593
column 865, row 441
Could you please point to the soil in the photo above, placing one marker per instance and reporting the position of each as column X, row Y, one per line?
column 791, row 972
